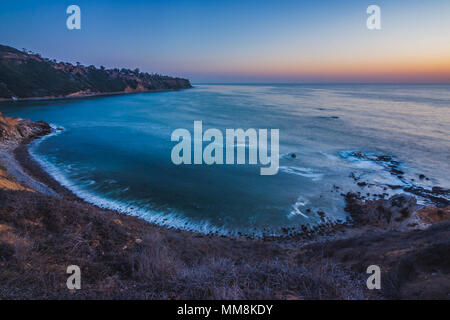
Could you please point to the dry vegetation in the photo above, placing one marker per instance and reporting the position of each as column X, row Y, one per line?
column 123, row 257
column 7, row 182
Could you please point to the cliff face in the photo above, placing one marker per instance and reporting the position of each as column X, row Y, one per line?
column 25, row 75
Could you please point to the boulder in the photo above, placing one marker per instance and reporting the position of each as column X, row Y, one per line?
column 389, row 214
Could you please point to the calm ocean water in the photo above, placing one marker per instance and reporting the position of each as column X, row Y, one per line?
column 115, row 151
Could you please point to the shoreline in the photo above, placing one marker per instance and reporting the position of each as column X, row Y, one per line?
column 125, row 257
column 27, row 170
column 30, row 172
column 90, row 95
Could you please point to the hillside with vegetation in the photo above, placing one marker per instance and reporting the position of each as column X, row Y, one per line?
column 24, row 74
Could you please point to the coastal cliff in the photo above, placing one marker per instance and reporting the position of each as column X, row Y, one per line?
column 25, row 75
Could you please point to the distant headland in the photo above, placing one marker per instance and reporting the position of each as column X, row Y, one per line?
column 25, row 75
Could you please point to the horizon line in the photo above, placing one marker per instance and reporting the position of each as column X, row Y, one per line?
column 315, row 83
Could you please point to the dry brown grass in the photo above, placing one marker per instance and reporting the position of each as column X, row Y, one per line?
column 123, row 257
column 7, row 182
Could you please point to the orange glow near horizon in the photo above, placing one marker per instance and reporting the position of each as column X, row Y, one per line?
column 410, row 69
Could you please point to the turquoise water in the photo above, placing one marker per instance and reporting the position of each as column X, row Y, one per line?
column 115, row 151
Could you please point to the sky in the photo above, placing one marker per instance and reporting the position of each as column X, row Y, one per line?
column 242, row 40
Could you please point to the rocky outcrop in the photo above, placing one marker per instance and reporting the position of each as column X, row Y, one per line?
column 395, row 213
column 431, row 214
column 12, row 132
column 15, row 130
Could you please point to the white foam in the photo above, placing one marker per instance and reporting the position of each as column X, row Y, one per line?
column 168, row 219
column 171, row 219
column 301, row 202
column 304, row 172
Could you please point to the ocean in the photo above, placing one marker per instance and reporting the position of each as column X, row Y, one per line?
column 377, row 140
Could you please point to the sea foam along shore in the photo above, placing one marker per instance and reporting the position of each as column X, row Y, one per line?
column 125, row 257
column 178, row 221
column 23, row 136
column 168, row 219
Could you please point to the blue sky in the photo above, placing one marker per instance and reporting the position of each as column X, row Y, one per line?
column 242, row 41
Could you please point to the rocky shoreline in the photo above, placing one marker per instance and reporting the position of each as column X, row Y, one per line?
column 43, row 231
